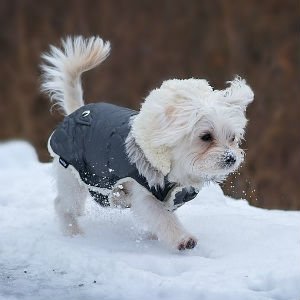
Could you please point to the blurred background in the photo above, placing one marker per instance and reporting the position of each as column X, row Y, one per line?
column 157, row 40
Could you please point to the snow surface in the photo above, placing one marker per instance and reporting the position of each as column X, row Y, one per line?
column 243, row 252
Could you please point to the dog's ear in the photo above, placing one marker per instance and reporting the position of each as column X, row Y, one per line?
column 175, row 121
column 182, row 96
column 238, row 93
column 178, row 102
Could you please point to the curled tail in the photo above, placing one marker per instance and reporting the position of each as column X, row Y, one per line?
column 63, row 67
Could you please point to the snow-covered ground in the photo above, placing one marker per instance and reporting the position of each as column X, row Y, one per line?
column 243, row 252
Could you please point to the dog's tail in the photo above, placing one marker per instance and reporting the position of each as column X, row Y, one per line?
column 63, row 67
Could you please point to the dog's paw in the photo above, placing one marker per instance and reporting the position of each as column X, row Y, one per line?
column 119, row 197
column 187, row 243
column 72, row 230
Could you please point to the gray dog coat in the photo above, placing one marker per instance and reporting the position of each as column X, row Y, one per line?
column 92, row 140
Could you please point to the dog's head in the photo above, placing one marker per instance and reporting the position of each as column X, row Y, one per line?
column 193, row 132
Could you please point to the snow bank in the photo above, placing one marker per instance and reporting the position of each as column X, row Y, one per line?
column 243, row 252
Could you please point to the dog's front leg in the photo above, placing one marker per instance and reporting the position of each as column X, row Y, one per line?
column 159, row 220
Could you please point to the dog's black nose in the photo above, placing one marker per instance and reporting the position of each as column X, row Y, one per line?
column 230, row 160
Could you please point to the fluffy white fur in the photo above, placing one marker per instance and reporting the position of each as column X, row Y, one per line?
column 173, row 117
column 62, row 78
column 167, row 138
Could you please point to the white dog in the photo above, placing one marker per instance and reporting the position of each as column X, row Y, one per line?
column 184, row 135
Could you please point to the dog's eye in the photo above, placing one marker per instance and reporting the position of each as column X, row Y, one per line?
column 206, row 137
column 233, row 138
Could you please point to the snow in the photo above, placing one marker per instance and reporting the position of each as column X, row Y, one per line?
column 243, row 252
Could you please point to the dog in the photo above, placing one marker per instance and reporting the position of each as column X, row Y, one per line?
column 154, row 160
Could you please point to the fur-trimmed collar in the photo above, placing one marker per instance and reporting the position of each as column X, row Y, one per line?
column 142, row 129
column 137, row 156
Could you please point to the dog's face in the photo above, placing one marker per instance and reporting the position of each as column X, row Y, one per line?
column 202, row 127
column 211, row 148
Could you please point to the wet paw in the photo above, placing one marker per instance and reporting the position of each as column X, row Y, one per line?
column 188, row 243
column 120, row 198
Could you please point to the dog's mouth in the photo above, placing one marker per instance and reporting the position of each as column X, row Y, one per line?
column 219, row 174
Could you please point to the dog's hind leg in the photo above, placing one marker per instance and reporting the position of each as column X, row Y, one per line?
column 70, row 200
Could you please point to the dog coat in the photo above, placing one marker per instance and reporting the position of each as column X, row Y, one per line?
column 92, row 140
